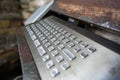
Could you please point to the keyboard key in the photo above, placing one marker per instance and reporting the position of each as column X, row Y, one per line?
column 65, row 66
column 47, row 44
column 49, row 64
column 51, row 48
column 92, row 49
column 58, row 35
column 45, row 58
column 33, row 37
column 28, row 28
column 55, row 32
column 84, row 45
column 57, row 28
column 46, row 26
column 37, row 43
column 42, row 38
column 45, row 41
column 70, row 44
column 60, row 30
column 61, row 46
column 59, row 59
column 68, row 35
column 61, row 38
column 68, row 54
column 66, row 41
column 41, row 29
column 54, row 26
column 38, row 25
column 41, row 50
column 53, row 39
column 51, row 24
column 77, row 41
column 54, row 53
column 52, row 30
column 38, row 33
column 47, row 34
column 44, row 30
column 30, row 33
column 76, row 48
column 54, row 72
column 83, row 55
column 50, row 36
column 41, row 22
column 57, row 42
column 64, row 32
column 72, row 37
column 33, row 26
column 35, row 29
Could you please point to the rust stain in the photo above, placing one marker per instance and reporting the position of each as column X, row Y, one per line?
column 114, row 4
column 99, row 11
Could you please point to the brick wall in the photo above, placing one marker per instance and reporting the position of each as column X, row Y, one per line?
column 10, row 20
column 12, row 15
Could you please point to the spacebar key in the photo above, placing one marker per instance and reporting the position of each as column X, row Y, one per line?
column 68, row 54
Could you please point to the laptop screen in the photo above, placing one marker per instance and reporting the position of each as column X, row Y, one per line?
column 105, row 13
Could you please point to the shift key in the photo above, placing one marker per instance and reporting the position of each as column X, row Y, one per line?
column 68, row 54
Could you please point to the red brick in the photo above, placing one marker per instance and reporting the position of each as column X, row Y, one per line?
column 4, row 23
column 12, row 31
column 16, row 23
column 10, row 5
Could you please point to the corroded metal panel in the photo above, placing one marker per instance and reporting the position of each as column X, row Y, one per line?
column 29, row 69
column 102, row 12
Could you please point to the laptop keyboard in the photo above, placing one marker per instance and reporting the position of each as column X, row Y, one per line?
column 58, row 46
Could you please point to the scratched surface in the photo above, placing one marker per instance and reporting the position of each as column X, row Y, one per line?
column 29, row 69
column 102, row 12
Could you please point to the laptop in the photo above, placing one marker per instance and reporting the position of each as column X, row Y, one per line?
column 64, row 51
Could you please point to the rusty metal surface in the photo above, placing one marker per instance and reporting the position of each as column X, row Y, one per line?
column 29, row 69
column 102, row 12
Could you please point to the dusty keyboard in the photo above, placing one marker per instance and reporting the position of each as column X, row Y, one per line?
column 56, row 41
